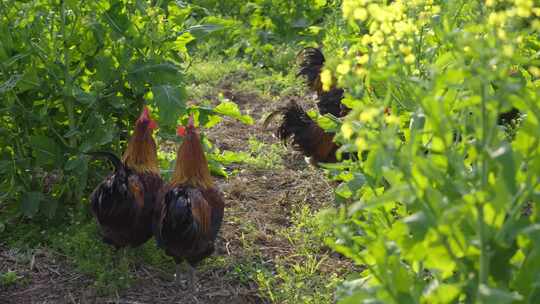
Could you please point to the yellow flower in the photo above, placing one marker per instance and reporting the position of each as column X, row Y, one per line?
column 501, row 34
column 366, row 39
column 374, row 26
column 405, row 49
column 409, row 58
column 535, row 71
column 386, row 28
column 344, row 67
column 391, row 119
column 378, row 37
column 360, row 14
column 524, row 12
column 363, row 59
column 508, row 50
column 326, row 79
column 360, row 72
column 347, row 130
column 347, row 8
column 368, row 115
column 361, row 144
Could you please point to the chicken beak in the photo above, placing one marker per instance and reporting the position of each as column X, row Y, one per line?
column 191, row 123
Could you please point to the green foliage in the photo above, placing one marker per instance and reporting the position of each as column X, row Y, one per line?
column 73, row 78
column 8, row 278
column 441, row 205
column 260, row 29
column 298, row 278
column 81, row 243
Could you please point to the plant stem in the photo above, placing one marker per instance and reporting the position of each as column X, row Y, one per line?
column 484, row 259
column 68, row 82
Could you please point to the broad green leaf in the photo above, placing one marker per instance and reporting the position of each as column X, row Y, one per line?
column 170, row 102
column 230, row 109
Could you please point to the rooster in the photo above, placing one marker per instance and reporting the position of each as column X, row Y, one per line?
column 312, row 62
column 190, row 208
column 123, row 203
column 305, row 134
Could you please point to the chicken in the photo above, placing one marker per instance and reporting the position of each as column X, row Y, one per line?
column 312, row 62
column 123, row 203
column 190, row 208
column 305, row 134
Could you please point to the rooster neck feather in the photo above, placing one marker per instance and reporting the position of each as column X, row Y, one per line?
column 191, row 164
column 141, row 152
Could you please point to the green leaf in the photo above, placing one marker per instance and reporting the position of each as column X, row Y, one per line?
column 99, row 136
column 9, row 84
column 497, row 296
column 443, row 293
column 216, row 168
column 418, row 225
column 204, row 29
column 30, row 202
column 118, row 20
column 230, row 109
column 328, row 122
column 504, row 156
column 170, row 102
column 46, row 150
column 153, row 73
column 86, row 98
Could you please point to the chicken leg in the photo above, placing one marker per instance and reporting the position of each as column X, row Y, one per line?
column 177, row 275
column 192, row 278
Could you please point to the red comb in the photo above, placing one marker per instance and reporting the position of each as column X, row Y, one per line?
column 181, row 131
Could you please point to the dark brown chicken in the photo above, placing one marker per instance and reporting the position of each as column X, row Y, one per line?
column 123, row 203
column 305, row 135
column 311, row 64
column 190, row 208
column 297, row 127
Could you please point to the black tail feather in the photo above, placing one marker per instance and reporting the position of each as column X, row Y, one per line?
column 312, row 61
column 115, row 160
column 298, row 128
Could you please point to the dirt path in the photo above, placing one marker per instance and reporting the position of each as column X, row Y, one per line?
column 258, row 204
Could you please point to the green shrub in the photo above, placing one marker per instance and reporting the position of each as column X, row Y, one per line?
column 441, row 205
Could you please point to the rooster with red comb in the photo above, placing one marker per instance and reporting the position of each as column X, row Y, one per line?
column 190, row 208
column 123, row 204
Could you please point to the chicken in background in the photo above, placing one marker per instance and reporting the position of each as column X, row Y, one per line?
column 311, row 64
column 123, row 204
column 305, row 135
column 190, row 208
column 297, row 127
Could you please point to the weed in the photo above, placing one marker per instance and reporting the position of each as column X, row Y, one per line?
column 83, row 247
column 265, row 156
column 9, row 278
